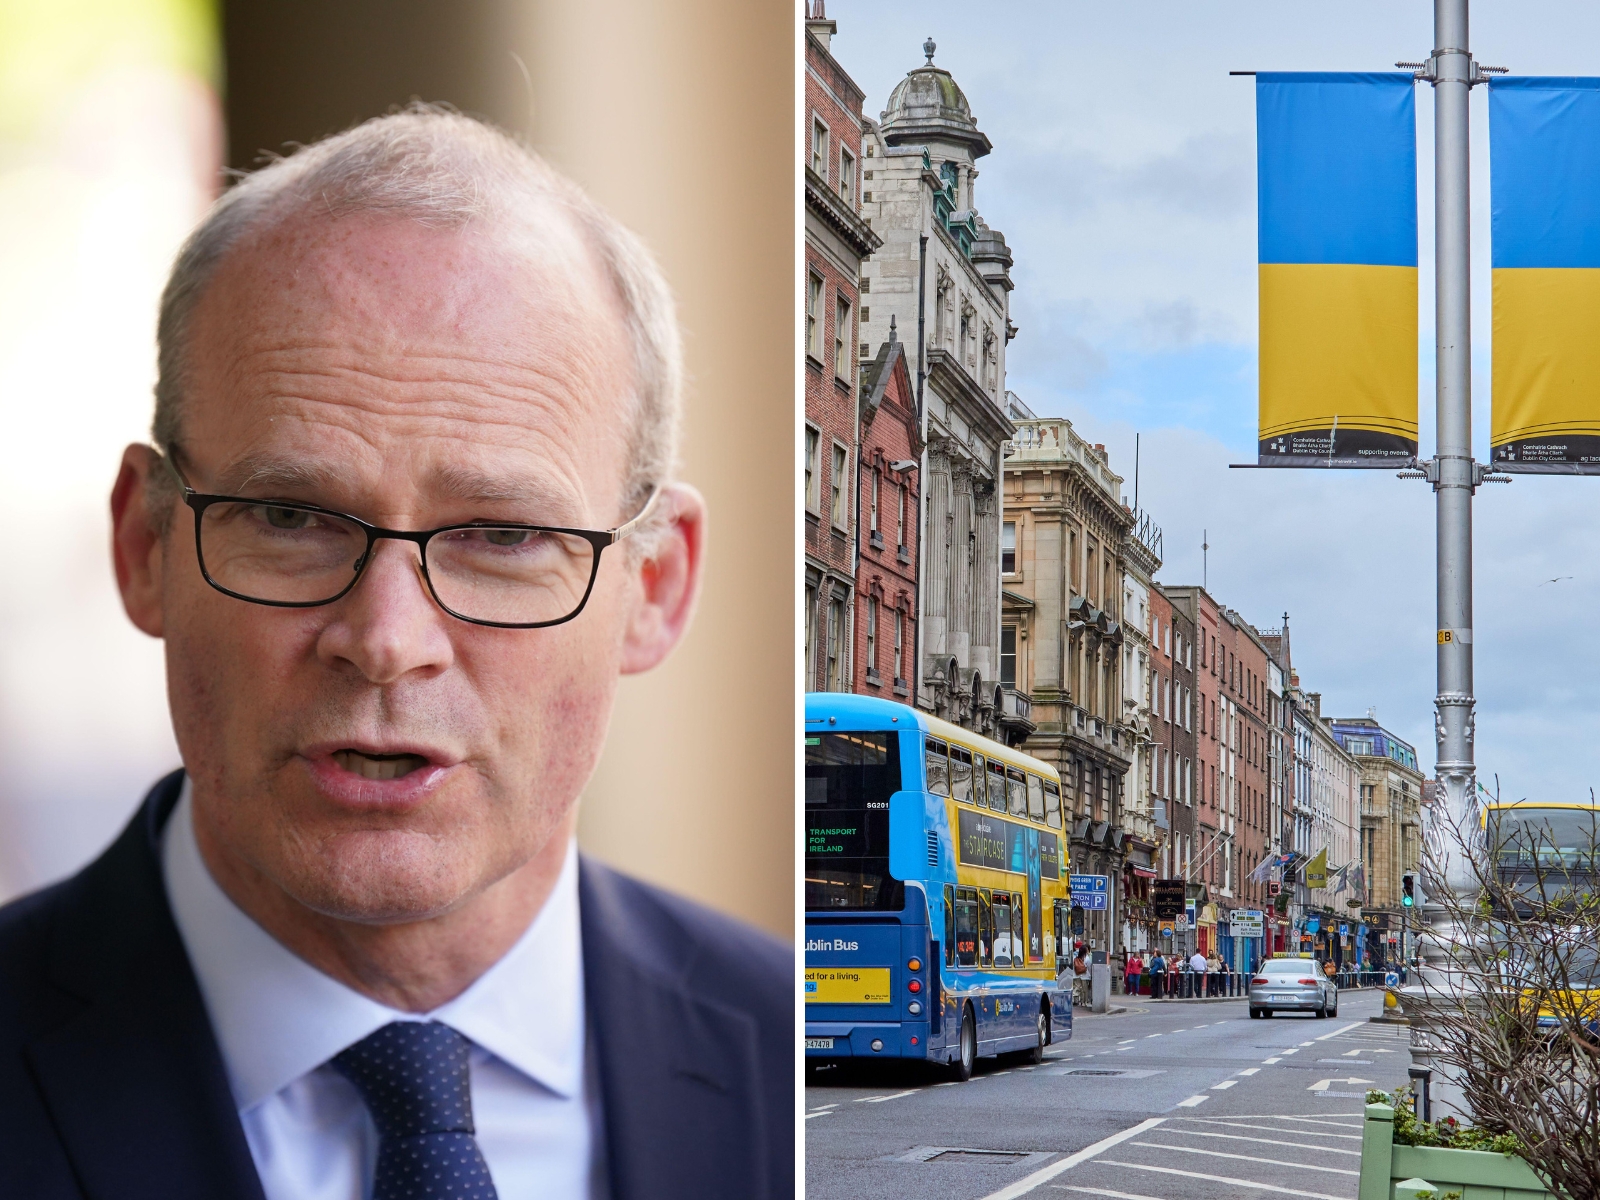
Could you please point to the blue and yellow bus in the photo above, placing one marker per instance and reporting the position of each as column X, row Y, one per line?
column 1543, row 851
column 938, row 897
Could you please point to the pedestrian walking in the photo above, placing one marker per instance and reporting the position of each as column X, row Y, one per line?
column 1132, row 968
column 1158, row 975
column 1197, row 973
column 1213, row 973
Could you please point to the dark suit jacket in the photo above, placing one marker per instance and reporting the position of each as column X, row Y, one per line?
column 112, row 1086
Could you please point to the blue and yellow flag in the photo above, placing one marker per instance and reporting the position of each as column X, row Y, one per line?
column 1336, row 162
column 1544, row 186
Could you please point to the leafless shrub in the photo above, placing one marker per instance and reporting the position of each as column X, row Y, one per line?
column 1512, row 1005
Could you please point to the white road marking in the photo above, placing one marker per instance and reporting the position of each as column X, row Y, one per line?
column 1337, row 1032
column 1245, row 1183
column 1350, row 1053
column 1292, row 1050
column 1249, row 1070
column 881, row 1099
column 1276, row 1162
column 1151, row 1035
column 1315, row 1121
column 818, row 1114
column 1267, row 1062
column 1191, row 1101
column 1045, row 1174
column 1069, row 1187
column 822, row 1107
column 1239, row 1137
column 1127, row 1041
column 1323, row 1085
column 1353, row 1137
column 1224, row 1085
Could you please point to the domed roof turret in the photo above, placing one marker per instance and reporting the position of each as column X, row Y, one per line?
column 927, row 106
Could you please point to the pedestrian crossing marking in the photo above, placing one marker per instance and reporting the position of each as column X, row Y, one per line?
column 1245, row 1183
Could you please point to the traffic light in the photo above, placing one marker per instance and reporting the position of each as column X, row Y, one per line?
column 1408, row 886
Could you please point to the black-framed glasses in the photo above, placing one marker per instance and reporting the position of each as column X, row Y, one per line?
column 291, row 555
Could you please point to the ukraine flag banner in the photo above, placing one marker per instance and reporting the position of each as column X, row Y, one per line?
column 1336, row 158
column 1544, row 186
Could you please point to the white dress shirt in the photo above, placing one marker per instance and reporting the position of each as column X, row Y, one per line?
column 278, row 1020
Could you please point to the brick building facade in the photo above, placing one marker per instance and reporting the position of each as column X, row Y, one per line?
column 1174, row 753
column 837, row 239
column 886, row 573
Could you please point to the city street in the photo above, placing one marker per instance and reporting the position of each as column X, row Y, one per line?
column 1166, row 1101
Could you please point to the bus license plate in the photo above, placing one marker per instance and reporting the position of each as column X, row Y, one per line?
column 819, row 1043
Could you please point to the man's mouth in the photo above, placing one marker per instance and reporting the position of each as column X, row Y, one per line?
column 378, row 766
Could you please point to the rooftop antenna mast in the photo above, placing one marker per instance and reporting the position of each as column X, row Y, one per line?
column 1205, row 560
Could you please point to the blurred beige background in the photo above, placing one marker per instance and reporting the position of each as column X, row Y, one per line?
column 679, row 119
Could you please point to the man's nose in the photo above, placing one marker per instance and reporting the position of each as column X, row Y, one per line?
column 389, row 624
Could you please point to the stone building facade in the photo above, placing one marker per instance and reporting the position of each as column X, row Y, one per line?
column 886, row 572
column 1391, row 830
column 1145, row 814
column 943, row 277
column 1328, row 779
column 1065, row 518
column 837, row 239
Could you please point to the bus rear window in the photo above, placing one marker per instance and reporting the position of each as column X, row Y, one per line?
column 1052, row 804
column 849, row 779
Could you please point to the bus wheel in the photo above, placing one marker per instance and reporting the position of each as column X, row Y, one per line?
column 1036, row 1055
column 961, row 1070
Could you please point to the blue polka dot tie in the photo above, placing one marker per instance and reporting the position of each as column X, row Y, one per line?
column 416, row 1079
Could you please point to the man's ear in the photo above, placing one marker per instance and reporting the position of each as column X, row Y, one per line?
column 669, row 569
column 136, row 541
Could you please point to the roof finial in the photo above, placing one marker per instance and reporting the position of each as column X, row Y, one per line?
column 928, row 47
column 892, row 335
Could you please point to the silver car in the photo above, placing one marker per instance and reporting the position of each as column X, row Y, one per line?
column 1292, row 985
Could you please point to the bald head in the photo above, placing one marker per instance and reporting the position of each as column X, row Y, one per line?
column 458, row 182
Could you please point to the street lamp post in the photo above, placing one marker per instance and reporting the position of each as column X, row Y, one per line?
column 1452, row 819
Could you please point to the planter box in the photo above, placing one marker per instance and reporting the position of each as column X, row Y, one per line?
column 1477, row 1174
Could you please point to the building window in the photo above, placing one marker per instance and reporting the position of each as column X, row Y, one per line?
column 1008, row 655
column 812, row 438
column 819, row 148
column 835, row 675
column 847, row 176
column 900, row 519
column 841, row 466
column 814, row 316
column 899, row 645
column 810, row 666
column 1008, row 548
column 877, row 481
column 872, row 634
column 841, row 339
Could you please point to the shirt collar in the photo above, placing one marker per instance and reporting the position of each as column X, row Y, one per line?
column 277, row 1017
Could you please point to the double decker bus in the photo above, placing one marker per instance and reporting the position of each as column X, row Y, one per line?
column 938, row 895
column 1542, row 849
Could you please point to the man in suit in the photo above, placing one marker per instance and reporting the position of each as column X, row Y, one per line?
column 408, row 517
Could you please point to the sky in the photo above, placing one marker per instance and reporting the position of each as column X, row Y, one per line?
column 1123, row 178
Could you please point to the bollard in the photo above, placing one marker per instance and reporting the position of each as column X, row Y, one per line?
column 1099, row 987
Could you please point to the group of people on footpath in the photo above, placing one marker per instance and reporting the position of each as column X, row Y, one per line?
column 1177, row 977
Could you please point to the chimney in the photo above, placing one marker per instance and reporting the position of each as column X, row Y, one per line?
column 1315, row 700
column 817, row 23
